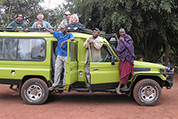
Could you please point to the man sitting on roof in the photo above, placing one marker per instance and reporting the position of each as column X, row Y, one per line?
column 18, row 22
column 45, row 24
column 66, row 20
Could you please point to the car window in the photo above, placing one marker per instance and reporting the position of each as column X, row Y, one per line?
column 104, row 55
column 38, row 49
column 9, row 48
column 1, row 45
column 22, row 48
column 73, row 49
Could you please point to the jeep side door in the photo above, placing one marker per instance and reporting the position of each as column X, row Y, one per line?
column 104, row 74
column 72, row 63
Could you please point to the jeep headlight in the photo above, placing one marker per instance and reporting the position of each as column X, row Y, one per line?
column 166, row 71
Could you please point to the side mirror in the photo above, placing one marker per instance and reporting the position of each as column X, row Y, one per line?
column 112, row 41
column 112, row 60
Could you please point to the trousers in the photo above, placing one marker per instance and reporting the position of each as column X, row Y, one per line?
column 59, row 65
column 87, row 72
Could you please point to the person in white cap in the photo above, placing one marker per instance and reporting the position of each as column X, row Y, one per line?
column 65, row 22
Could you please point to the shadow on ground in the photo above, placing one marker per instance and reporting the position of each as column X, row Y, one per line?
column 90, row 98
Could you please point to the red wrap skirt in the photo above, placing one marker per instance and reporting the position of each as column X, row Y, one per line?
column 126, row 71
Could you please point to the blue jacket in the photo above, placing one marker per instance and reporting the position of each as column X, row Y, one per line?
column 78, row 25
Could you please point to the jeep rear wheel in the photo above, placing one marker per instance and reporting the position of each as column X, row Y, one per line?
column 147, row 92
column 34, row 91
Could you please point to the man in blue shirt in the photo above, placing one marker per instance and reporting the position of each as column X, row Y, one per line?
column 61, row 59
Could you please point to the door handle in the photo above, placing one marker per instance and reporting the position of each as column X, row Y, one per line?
column 95, row 69
column 13, row 72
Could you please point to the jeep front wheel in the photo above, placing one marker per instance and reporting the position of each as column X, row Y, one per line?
column 34, row 91
column 147, row 92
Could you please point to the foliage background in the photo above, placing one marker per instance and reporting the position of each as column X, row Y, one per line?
column 153, row 24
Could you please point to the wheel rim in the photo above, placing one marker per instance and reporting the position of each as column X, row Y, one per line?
column 148, row 93
column 34, row 92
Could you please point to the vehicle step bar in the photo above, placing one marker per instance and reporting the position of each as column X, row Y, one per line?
column 80, row 89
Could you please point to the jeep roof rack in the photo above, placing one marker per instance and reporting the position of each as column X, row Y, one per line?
column 87, row 31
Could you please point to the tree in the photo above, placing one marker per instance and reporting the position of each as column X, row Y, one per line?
column 152, row 23
column 27, row 7
column 30, row 8
column 58, row 15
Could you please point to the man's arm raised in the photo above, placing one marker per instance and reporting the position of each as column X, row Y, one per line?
column 51, row 31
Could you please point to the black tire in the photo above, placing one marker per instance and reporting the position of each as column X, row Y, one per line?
column 34, row 91
column 147, row 92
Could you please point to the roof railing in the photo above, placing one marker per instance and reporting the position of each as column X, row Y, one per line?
column 87, row 31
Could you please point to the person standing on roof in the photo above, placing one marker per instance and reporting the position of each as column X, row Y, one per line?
column 40, row 18
column 125, row 51
column 18, row 22
column 61, row 59
column 65, row 22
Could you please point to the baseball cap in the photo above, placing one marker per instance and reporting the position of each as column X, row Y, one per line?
column 97, row 29
column 67, row 12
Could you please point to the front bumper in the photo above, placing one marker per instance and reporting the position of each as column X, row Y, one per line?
column 169, row 81
column 169, row 74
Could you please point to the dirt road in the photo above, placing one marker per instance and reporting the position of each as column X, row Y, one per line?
column 88, row 106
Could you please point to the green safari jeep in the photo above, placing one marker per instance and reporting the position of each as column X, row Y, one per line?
column 27, row 60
